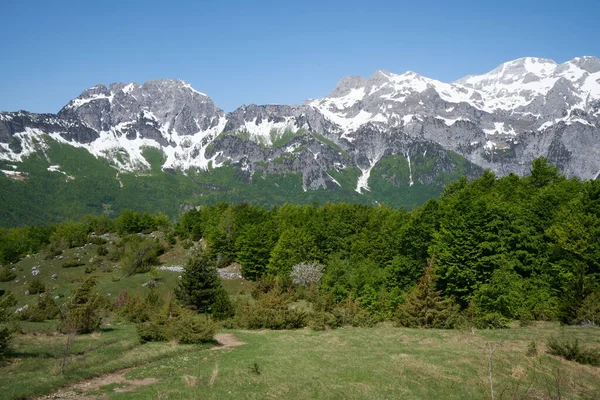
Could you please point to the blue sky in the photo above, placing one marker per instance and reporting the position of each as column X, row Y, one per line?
column 242, row 52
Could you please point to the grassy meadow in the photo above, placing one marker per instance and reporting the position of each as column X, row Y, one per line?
column 380, row 362
column 383, row 362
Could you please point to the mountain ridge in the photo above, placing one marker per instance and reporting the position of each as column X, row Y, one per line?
column 501, row 120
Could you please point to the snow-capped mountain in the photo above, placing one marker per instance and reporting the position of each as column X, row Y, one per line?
column 500, row 120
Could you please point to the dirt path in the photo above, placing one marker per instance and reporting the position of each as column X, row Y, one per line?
column 226, row 340
column 79, row 390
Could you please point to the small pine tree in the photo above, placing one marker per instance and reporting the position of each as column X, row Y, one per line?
column 6, row 274
column 200, row 286
column 424, row 306
column 36, row 286
column 7, row 300
column 82, row 313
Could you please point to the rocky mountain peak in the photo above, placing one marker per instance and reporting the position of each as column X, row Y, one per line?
column 502, row 119
column 172, row 103
column 589, row 64
column 346, row 84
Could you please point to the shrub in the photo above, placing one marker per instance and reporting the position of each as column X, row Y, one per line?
column 572, row 351
column 101, row 251
column 140, row 255
column 36, row 286
column 223, row 308
column 279, row 284
column 589, row 312
column 116, row 254
column 7, row 274
column 271, row 310
column 191, row 328
column 350, row 312
column 72, row 264
column 306, row 274
column 424, row 306
column 171, row 239
column 364, row 319
column 97, row 240
column 172, row 322
column 7, row 300
column 70, row 234
column 82, row 313
column 135, row 308
column 321, row 320
column 151, row 331
column 492, row 320
column 52, row 252
column 45, row 309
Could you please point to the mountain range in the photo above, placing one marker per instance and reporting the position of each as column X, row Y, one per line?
column 380, row 137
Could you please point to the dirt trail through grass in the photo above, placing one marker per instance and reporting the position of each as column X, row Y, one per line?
column 226, row 340
column 80, row 390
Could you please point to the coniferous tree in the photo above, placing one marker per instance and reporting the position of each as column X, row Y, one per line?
column 7, row 300
column 82, row 313
column 425, row 307
column 200, row 286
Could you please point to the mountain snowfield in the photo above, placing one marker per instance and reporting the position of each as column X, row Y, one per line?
column 500, row 120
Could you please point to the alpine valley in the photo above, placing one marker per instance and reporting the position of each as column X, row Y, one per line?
column 395, row 139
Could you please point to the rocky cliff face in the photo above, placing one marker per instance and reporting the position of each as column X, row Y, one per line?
column 501, row 120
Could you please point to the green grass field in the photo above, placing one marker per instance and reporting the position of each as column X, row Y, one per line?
column 348, row 363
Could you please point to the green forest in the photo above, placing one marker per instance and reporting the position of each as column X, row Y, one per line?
column 485, row 253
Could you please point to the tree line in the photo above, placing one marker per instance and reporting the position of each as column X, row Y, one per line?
column 490, row 250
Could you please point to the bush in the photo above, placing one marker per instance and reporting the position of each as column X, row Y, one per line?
column 572, row 351
column 97, row 240
column 223, row 308
column 72, row 264
column 306, row 274
column 116, row 254
column 36, row 286
column 171, row 239
column 493, row 320
column 169, row 321
column 589, row 312
column 321, row 320
column 101, row 251
column 151, row 331
column 350, row 312
column 135, row 308
column 82, row 313
column 7, row 300
column 191, row 328
column 424, row 306
column 279, row 284
column 7, row 274
column 45, row 309
column 140, row 255
column 52, row 252
column 70, row 234
column 271, row 310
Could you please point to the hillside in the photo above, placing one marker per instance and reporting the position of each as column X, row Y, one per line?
column 389, row 138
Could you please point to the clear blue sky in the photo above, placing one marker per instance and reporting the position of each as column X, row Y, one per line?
column 242, row 52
